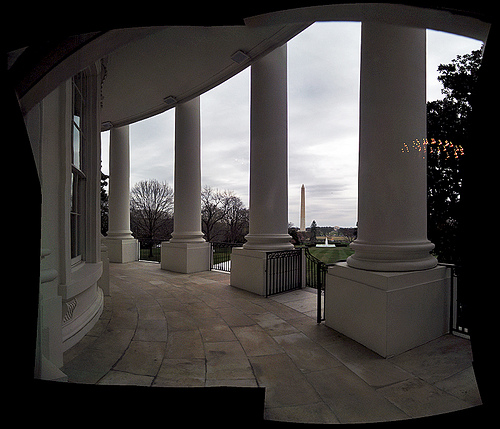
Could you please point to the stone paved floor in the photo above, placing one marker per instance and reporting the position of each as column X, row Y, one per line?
column 176, row 330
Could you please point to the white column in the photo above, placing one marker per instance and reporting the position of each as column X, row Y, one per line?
column 392, row 194
column 121, row 244
column 390, row 296
column 187, row 174
column 119, row 183
column 187, row 251
column 268, row 215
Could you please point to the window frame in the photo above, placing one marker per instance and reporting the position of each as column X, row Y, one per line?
column 78, row 188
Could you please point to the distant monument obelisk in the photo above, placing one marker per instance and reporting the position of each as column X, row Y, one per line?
column 302, row 208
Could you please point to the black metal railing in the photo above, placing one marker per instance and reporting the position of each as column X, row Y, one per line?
column 221, row 256
column 149, row 250
column 316, row 278
column 459, row 309
column 283, row 271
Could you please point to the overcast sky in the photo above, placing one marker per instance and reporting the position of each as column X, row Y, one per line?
column 323, row 115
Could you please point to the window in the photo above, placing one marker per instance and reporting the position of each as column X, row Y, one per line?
column 78, row 178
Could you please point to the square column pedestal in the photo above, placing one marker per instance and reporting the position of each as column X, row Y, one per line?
column 122, row 250
column 248, row 270
column 185, row 257
column 388, row 312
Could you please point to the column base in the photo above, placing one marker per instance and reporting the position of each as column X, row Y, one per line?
column 121, row 250
column 185, row 257
column 248, row 270
column 388, row 312
column 103, row 281
column 268, row 242
column 187, row 237
column 392, row 257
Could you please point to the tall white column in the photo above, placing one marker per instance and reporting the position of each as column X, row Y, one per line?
column 392, row 194
column 390, row 296
column 119, row 183
column 187, row 251
column 121, row 244
column 187, row 174
column 268, row 214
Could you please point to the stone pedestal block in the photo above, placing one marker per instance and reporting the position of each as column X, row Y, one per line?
column 388, row 312
column 185, row 257
column 122, row 250
column 248, row 270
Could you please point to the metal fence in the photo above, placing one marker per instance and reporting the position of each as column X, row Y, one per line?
column 221, row 256
column 283, row 271
column 316, row 278
column 150, row 250
column 459, row 309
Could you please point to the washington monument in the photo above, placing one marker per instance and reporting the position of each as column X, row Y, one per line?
column 302, row 208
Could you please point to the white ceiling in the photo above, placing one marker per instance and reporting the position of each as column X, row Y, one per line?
column 182, row 62
column 145, row 65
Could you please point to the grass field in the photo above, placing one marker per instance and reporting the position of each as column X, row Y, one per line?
column 330, row 255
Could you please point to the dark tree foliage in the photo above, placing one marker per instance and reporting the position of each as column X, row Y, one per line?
column 448, row 125
column 104, row 204
column 314, row 230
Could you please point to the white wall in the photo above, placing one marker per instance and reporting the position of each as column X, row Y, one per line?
column 70, row 300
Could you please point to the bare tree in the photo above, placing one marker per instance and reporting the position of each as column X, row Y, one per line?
column 349, row 233
column 223, row 215
column 212, row 212
column 151, row 208
column 236, row 219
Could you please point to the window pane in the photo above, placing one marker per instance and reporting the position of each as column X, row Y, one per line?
column 78, row 182
column 76, row 147
column 72, row 193
column 77, row 96
column 75, row 251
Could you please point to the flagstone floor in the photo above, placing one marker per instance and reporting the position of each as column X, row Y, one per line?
column 164, row 329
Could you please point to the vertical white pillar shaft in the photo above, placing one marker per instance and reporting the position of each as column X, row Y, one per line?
column 187, row 251
column 119, row 183
column 392, row 194
column 268, row 225
column 187, row 180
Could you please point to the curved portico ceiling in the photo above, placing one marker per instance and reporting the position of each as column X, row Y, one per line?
column 175, row 64
column 149, row 70
column 440, row 19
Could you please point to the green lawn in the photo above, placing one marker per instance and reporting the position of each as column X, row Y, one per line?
column 329, row 255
